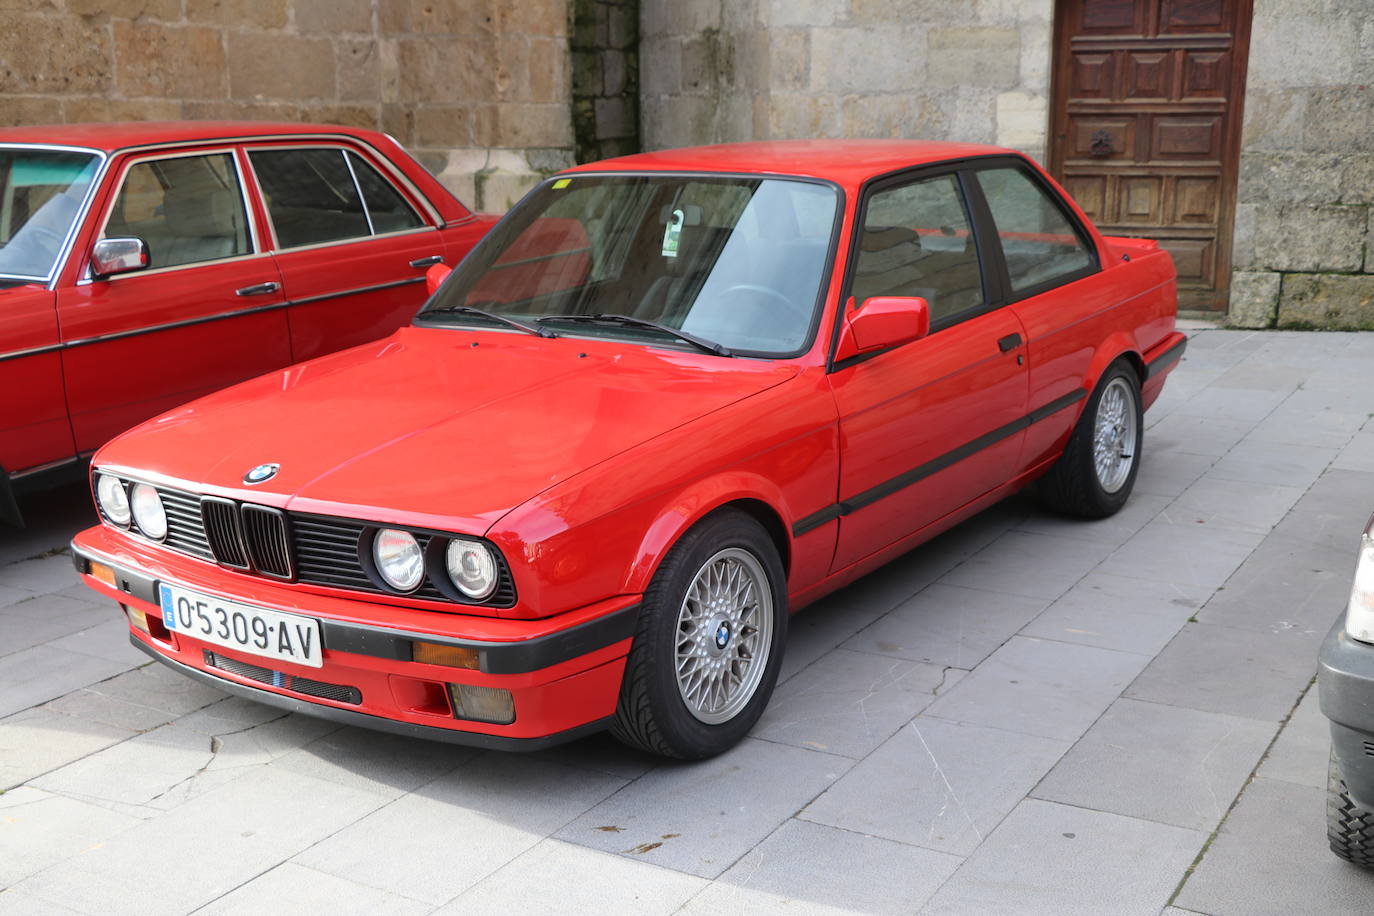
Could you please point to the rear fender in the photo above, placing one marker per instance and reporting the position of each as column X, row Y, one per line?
column 1116, row 345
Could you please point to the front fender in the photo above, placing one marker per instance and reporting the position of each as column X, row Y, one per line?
column 685, row 508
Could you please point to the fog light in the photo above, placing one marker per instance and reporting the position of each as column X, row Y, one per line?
column 102, row 572
column 433, row 653
column 482, row 704
column 136, row 617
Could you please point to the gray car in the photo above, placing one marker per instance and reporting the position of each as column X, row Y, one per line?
column 1346, row 683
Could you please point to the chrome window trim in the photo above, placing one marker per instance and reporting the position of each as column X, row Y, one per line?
column 254, row 241
column 79, row 220
column 435, row 223
column 362, row 198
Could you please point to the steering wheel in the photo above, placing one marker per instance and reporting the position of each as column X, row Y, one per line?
column 766, row 292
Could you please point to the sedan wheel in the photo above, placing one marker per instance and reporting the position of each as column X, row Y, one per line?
column 1095, row 474
column 709, row 643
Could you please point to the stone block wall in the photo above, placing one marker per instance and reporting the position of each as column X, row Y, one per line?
column 1303, row 255
column 972, row 70
column 478, row 89
column 605, row 85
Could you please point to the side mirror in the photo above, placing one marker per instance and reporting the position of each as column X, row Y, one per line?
column 118, row 256
column 435, row 277
column 883, row 322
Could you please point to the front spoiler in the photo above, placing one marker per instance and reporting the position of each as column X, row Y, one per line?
column 378, row 723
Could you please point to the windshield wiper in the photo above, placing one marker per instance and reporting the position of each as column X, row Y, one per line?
column 710, row 346
column 500, row 319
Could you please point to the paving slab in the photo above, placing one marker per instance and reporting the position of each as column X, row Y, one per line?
column 937, row 784
column 948, row 625
column 39, row 829
column 291, row 888
column 1161, row 763
column 1116, row 612
column 1179, row 432
column 805, row 867
column 1224, row 503
column 235, row 833
column 1248, row 673
column 1040, row 687
column 848, row 702
column 553, row 878
column 473, row 820
column 1302, row 750
column 1270, row 857
column 700, row 818
column 1286, row 585
column 36, row 741
column 1332, row 512
column 1029, row 564
column 41, row 673
column 1058, row 860
column 1186, row 553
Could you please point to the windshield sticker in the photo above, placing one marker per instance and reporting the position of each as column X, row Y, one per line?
column 672, row 232
column 561, row 183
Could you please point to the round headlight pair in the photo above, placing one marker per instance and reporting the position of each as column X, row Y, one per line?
column 470, row 564
column 143, row 505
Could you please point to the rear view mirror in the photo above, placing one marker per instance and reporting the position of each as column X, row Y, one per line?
column 435, row 277
column 883, row 322
column 118, row 256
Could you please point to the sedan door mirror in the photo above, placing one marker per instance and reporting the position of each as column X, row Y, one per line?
column 435, row 277
column 883, row 322
column 118, row 256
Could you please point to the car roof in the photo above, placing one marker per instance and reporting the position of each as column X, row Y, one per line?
column 847, row 162
column 117, row 135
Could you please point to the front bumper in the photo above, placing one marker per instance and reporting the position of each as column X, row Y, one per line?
column 563, row 673
column 1345, row 683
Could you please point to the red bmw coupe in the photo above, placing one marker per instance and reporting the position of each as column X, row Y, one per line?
column 668, row 400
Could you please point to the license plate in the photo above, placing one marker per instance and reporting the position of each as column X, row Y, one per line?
column 255, row 630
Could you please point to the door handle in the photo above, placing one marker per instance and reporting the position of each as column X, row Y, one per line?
column 258, row 289
column 1010, row 342
column 426, row 262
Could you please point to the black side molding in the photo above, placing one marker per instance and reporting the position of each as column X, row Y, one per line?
column 1166, row 359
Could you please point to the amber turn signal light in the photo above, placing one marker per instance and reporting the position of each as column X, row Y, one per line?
column 433, row 653
column 102, row 572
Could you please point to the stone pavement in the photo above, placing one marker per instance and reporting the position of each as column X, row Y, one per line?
column 1027, row 715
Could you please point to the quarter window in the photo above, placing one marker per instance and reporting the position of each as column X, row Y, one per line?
column 322, row 195
column 186, row 209
column 1040, row 244
column 917, row 241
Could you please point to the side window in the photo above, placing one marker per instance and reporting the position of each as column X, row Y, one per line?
column 385, row 205
column 186, row 209
column 916, row 242
column 310, row 196
column 1038, row 241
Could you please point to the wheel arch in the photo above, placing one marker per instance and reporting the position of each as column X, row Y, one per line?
column 753, row 496
column 1117, row 346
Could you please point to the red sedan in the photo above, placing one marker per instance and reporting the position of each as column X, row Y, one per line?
column 670, row 399
column 143, row 265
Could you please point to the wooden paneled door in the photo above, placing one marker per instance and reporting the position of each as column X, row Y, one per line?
column 1145, row 126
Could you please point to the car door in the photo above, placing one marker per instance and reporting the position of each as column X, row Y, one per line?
column 352, row 248
column 33, row 412
column 205, row 313
column 1057, row 290
column 929, row 426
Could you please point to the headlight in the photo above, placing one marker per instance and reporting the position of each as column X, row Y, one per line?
column 1359, row 614
column 148, row 511
column 472, row 567
column 398, row 559
column 114, row 500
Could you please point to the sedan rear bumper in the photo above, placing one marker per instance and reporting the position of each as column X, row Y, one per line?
column 1345, row 682
column 563, row 678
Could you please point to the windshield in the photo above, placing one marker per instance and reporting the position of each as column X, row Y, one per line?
column 40, row 194
column 730, row 261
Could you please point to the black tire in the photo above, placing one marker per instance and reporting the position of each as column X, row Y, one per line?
column 1072, row 486
column 652, row 714
column 1349, row 828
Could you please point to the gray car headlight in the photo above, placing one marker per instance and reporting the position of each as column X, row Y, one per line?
column 148, row 511
column 1359, row 613
column 472, row 567
column 113, row 498
column 398, row 558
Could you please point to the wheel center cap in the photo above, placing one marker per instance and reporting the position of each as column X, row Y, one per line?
column 722, row 635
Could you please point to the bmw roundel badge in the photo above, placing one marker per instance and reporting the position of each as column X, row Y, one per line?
column 260, row 473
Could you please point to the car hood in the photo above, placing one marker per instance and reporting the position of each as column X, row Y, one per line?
column 434, row 427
